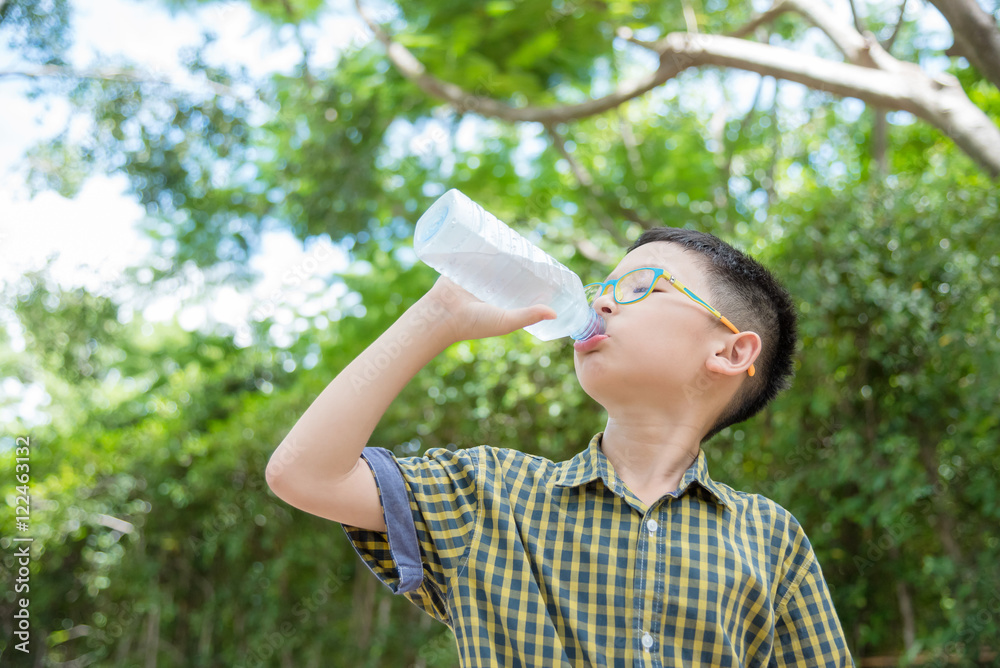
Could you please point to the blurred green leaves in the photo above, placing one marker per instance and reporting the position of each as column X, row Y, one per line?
column 36, row 29
column 156, row 535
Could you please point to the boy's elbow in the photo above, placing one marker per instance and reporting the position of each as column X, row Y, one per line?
column 272, row 476
column 278, row 470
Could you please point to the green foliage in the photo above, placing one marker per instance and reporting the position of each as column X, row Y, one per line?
column 36, row 29
column 286, row 12
column 528, row 48
column 331, row 139
column 155, row 534
column 899, row 353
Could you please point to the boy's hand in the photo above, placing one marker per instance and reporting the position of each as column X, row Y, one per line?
column 465, row 317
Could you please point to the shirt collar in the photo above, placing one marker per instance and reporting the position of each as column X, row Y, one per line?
column 592, row 464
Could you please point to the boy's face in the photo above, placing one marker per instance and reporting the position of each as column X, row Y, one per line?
column 655, row 347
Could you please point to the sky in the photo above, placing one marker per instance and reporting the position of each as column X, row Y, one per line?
column 93, row 236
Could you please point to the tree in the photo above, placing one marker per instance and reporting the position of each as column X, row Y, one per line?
column 870, row 73
column 580, row 124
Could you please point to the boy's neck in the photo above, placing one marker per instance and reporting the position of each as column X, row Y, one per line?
column 650, row 457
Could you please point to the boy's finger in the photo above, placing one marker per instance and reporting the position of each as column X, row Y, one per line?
column 523, row 317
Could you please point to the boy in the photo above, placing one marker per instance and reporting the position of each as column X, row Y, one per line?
column 627, row 554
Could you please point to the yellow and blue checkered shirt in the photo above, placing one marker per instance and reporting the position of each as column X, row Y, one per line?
column 537, row 564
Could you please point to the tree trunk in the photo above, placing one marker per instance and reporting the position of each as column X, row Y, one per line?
column 976, row 35
column 943, row 520
column 151, row 646
column 905, row 601
column 363, row 605
column 124, row 646
column 208, row 618
column 880, row 142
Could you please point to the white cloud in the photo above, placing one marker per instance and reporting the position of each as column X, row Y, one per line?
column 92, row 237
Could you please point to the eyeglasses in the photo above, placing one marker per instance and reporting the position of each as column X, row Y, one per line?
column 637, row 284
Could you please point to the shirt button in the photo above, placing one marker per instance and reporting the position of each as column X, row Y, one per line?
column 652, row 526
column 647, row 640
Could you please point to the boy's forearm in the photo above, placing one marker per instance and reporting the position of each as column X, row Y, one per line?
column 329, row 437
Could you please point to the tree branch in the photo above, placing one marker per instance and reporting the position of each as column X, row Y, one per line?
column 593, row 191
column 118, row 75
column 589, row 250
column 597, row 193
column 905, row 601
column 894, row 85
column 414, row 70
column 772, row 165
column 776, row 10
column 579, row 171
column 293, row 19
column 631, row 145
column 875, row 78
column 728, row 148
column 852, row 44
column 889, row 43
column 880, row 126
column 857, row 17
column 690, row 20
column 976, row 35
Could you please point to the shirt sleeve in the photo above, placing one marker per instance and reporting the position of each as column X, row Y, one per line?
column 431, row 506
column 807, row 630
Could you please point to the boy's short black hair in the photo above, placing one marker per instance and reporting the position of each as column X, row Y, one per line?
column 753, row 300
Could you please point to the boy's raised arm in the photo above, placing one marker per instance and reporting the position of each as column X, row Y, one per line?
column 318, row 467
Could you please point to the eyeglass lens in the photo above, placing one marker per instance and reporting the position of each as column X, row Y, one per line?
column 631, row 287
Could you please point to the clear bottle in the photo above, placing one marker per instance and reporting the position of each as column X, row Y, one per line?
column 470, row 246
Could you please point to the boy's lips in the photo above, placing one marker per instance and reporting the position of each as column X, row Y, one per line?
column 589, row 344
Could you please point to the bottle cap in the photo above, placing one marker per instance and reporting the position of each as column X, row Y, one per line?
column 595, row 325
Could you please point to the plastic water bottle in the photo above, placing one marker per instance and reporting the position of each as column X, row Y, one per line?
column 470, row 246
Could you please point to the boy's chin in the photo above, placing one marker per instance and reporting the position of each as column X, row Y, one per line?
column 608, row 381
column 593, row 388
column 616, row 395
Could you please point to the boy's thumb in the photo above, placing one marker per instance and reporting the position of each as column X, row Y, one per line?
column 532, row 314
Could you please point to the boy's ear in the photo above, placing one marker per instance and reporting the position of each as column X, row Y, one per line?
column 736, row 354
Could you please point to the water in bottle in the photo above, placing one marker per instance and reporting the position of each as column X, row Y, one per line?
column 470, row 246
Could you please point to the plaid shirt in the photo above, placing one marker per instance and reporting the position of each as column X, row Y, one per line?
column 538, row 564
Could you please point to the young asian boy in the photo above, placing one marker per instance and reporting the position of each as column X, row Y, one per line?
column 627, row 554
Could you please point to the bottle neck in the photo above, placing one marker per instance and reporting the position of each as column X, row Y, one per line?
column 592, row 327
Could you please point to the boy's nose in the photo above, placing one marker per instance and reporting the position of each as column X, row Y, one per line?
column 606, row 303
